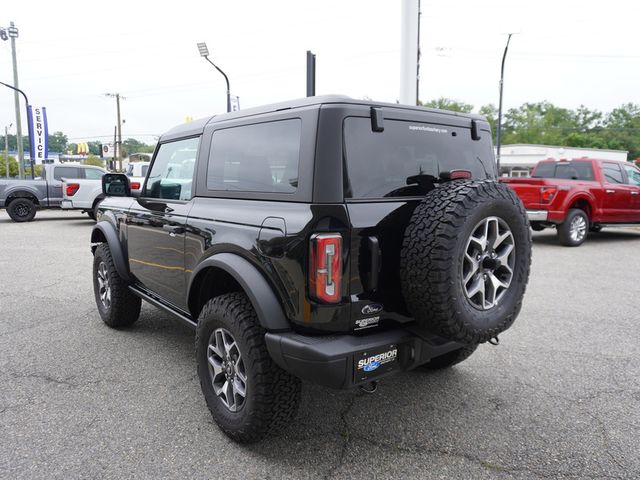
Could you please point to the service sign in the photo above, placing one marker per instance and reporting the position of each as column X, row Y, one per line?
column 38, row 133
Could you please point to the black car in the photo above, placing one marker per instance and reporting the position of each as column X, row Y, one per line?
column 327, row 239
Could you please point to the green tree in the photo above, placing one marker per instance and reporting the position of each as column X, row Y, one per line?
column 131, row 145
column 491, row 112
column 443, row 103
column 58, row 142
column 94, row 160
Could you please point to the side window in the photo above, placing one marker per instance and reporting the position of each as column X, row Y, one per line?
column 93, row 173
column 262, row 157
column 145, row 169
column 633, row 175
column 66, row 172
column 612, row 173
column 171, row 174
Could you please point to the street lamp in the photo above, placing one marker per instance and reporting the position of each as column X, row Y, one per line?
column 204, row 52
column 499, row 126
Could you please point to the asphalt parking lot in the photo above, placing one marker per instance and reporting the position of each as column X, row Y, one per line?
column 559, row 398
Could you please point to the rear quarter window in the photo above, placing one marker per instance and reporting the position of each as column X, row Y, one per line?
column 378, row 164
column 572, row 170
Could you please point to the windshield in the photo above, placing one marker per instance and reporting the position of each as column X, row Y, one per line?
column 379, row 164
column 567, row 170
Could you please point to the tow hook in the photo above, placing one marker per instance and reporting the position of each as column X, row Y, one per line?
column 369, row 388
column 494, row 341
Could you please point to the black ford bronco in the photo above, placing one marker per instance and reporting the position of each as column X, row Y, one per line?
column 327, row 239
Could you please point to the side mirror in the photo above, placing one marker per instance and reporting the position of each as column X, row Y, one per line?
column 116, row 185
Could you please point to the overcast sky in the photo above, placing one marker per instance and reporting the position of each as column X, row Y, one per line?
column 71, row 53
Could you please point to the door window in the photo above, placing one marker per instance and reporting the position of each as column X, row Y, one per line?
column 612, row 173
column 633, row 175
column 171, row 175
column 93, row 173
column 66, row 172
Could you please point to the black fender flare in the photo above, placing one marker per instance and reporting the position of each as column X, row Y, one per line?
column 260, row 293
column 109, row 232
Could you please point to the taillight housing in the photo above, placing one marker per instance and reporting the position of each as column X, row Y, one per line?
column 135, row 185
column 72, row 188
column 547, row 194
column 325, row 267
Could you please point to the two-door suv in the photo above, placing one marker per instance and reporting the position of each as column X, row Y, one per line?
column 327, row 239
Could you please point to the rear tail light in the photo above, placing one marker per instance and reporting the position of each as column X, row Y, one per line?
column 72, row 188
column 325, row 272
column 547, row 194
column 135, row 185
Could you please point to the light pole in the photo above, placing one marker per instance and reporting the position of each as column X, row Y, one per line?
column 118, row 144
column 6, row 146
column 499, row 125
column 204, row 52
column 12, row 33
column 19, row 139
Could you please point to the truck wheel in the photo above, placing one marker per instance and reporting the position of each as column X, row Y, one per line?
column 248, row 394
column 118, row 307
column 465, row 260
column 451, row 358
column 22, row 210
column 573, row 231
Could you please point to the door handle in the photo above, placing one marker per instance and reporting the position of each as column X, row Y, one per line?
column 173, row 229
column 168, row 209
column 635, row 193
column 610, row 191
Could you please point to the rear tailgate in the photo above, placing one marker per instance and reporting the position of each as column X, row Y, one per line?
column 80, row 193
column 528, row 189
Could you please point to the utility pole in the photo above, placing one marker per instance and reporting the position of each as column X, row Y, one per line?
column 118, row 145
column 409, row 51
column 115, row 142
column 6, row 147
column 13, row 34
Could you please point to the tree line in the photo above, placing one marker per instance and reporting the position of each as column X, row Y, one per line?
column 59, row 143
column 544, row 123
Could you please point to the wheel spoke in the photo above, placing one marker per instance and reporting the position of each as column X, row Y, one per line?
column 472, row 271
column 227, row 369
column 216, row 366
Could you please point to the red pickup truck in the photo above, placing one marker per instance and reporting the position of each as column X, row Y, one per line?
column 579, row 196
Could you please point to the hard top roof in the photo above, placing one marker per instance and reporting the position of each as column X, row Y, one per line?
column 197, row 126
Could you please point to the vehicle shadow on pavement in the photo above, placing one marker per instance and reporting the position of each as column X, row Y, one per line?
column 605, row 236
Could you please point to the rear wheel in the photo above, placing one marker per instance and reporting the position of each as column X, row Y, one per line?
column 573, row 232
column 248, row 394
column 22, row 210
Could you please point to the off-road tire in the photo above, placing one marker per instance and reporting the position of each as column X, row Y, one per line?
column 124, row 308
column 272, row 394
column 432, row 256
column 451, row 358
column 564, row 229
column 22, row 210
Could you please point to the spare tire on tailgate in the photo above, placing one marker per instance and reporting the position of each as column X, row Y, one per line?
column 465, row 260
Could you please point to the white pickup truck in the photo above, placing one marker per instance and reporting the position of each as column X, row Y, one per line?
column 86, row 194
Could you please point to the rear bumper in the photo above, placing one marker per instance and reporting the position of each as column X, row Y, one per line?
column 336, row 360
column 537, row 215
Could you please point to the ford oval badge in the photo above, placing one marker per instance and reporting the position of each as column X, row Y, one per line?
column 370, row 367
column 371, row 309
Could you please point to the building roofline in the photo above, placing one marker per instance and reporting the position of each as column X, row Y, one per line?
column 561, row 146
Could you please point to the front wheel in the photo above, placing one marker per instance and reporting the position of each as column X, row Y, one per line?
column 22, row 210
column 573, row 232
column 248, row 394
column 118, row 307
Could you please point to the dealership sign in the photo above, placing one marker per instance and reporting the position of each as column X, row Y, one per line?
column 38, row 132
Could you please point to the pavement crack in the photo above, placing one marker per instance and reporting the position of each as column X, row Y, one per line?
column 46, row 378
column 345, row 435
